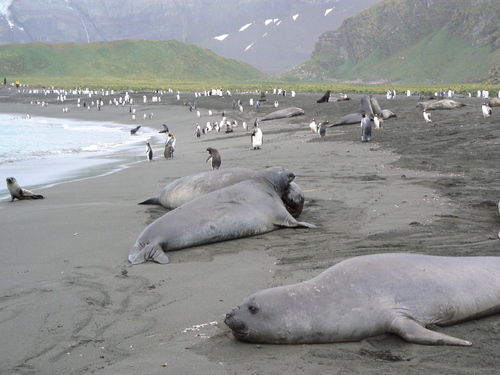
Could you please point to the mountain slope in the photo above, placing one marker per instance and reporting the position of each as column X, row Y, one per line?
column 410, row 41
column 289, row 40
column 168, row 60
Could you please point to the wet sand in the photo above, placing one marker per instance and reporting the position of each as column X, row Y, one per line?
column 72, row 304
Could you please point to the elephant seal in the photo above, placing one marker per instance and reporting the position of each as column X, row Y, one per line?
column 187, row 188
column 387, row 113
column 17, row 192
column 283, row 113
column 244, row 209
column 371, row 295
column 366, row 106
column 440, row 104
column 325, row 98
column 375, row 106
column 353, row 118
column 495, row 102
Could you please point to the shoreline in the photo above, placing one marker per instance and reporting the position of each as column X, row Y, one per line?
column 73, row 304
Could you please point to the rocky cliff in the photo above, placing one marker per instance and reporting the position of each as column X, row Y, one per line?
column 401, row 39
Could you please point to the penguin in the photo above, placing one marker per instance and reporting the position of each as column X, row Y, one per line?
column 197, row 132
column 245, row 126
column 165, row 129
column 366, row 129
column 257, row 138
column 486, row 110
column 170, row 141
column 214, row 157
column 322, row 128
column 313, row 126
column 16, row 192
column 427, row 116
column 134, row 130
column 169, row 147
column 276, row 104
column 376, row 121
column 149, row 151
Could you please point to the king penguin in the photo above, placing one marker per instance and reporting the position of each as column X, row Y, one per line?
column 214, row 158
column 149, row 151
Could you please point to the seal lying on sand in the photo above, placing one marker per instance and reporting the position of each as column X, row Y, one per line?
column 18, row 192
column 495, row 102
column 440, row 104
column 244, row 209
column 370, row 295
column 187, row 188
column 283, row 113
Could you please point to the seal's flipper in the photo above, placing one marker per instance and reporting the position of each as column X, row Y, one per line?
column 411, row 331
column 154, row 200
column 152, row 251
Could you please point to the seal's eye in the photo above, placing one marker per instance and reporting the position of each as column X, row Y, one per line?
column 253, row 309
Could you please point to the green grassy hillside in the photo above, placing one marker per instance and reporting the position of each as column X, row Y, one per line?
column 127, row 62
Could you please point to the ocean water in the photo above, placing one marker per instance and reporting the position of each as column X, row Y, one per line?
column 42, row 151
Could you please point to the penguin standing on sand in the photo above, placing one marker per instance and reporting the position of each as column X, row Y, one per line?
column 313, row 126
column 257, row 138
column 486, row 110
column 427, row 116
column 169, row 147
column 149, row 151
column 214, row 158
column 377, row 122
column 197, row 132
column 322, row 128
column 366, row 129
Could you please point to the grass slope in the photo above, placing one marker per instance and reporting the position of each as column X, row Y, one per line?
column 438, row 58
column 122, row 61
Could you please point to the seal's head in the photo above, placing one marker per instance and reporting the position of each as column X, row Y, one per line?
column 11, row 180
column 274, row 316
column 279, row 177
column 293, row 199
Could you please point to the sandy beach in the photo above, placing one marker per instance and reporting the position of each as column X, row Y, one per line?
column 71, row 303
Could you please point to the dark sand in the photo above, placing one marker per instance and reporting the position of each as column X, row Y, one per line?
column 72, row 304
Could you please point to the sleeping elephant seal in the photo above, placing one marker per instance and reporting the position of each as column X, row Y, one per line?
column 283, row 113
column 370, row 295
column 440, row 104
column 495, row 102
column 187, row 188
column 244, row 209
column 353, row 118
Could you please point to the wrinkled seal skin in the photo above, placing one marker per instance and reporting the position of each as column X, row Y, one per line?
column 190, row 187
column 17, row 192
column 283, row 113
column 371, row 295
column 244, row 209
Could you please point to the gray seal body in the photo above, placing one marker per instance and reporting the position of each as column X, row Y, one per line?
column 250, row 207
column 371, row 295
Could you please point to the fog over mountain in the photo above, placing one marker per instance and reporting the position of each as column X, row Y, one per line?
column 272, row 35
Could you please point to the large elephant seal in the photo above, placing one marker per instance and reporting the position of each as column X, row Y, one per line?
column 17, row 192
column 353, row 118
column 187, row 188
column 283, row 113
column 370, row 295
column 244, row 209
column 495, row 102
column 440, row 104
